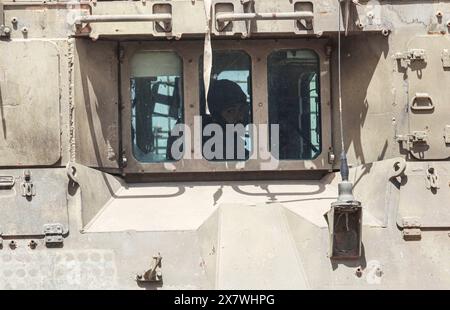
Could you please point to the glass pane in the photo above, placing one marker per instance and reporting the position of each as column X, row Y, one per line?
column 157, row 103
column 226, row 119
column 294, row 102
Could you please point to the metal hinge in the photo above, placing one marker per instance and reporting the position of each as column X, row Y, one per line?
column 5, row 31
column 7, row 181
column 411, row 228
column 406, row 58
column 411, row 139
column 53, row 234
column 331, row 157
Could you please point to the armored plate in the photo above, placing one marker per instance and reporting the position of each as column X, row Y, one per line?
column 22, row 215
column 29, row 103
column 67, row 269
column 429, row 206
column 429, row 105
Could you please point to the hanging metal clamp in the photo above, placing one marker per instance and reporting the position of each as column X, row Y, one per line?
column 28, row 188
column 406, row 58
column 154, row 274
column 432, row 179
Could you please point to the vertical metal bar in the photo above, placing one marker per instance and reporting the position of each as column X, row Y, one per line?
column 2, row 16
column 119, row 104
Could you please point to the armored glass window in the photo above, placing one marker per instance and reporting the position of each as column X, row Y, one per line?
column 227, row 116
column 294, row 103
column 157, row 103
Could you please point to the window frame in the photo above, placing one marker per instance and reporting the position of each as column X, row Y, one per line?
column 251, row 94
column 129, row 93
column 259, row 51
column 319, row 93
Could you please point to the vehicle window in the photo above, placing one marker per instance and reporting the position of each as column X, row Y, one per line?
column 294, row 102
column 227, row 116
column 157, row 103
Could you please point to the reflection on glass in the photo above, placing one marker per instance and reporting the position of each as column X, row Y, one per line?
column 157, row 103
column 294, row 102
column 229, row 103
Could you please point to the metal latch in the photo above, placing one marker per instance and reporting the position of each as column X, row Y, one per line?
column 432, row 179
column 411, row 139
column 28, row 188
column 446, row 59
column 406, row 58
column 53, row 235
column 154, row 274
column 411, row 228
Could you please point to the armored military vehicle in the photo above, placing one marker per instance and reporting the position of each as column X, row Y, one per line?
column 114, row 172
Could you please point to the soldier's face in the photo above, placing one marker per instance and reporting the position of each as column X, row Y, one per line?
column 235, row 114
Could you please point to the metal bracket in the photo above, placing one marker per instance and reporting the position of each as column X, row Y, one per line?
column 406, row 58
column 28, row 188
column 432, row 179
column 53, row 234
column 5, row 31
column 224, row 19
column 446, row 59
column 163, row 25
column 331, row 157
column 447, row 134
column 411, row 228
column 411, row 139
column 154, row 274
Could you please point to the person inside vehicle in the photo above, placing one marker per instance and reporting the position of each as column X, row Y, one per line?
column 227, row 104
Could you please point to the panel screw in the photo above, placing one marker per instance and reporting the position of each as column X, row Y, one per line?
column 24, row 30
column 358, row 272
column 379, row 272
column 385, row 32
column 12, row 245
column 32, row 244
column 14, row 20
column 439, row 14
